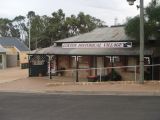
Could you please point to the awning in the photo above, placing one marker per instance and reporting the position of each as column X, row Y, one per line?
column 118, row 52
column 93, row 51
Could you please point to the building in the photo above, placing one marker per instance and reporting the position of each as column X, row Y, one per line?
column 102, row 48
column 16, row 51
column 2, row 58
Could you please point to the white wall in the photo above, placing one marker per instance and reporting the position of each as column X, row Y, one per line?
column 11, row 60
column 3, row 63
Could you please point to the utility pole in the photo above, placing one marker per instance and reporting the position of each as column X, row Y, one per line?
column 29, row 34
column 141, row 42
column 141, row 60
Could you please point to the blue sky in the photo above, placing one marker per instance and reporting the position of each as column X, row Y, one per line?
column 106, row 10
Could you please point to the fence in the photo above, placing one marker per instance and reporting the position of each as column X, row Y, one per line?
column 119, row 73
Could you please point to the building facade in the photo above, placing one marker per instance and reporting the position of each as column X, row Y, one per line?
column 2, row 58
column 96, row 54
column 16, row 51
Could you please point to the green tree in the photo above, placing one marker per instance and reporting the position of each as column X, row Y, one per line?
column 43, row 38
column 20, row 26
column 37, row 26
column 82, row 24
column 153, row 15
column 5, row 26
column 45, row 30
column 151, row 23
column 72, row 25
column 31, row 15
column 56, row 25
column 85, row 23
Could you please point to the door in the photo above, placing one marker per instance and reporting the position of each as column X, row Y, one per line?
column 1, row 62
column 100, row 65
column 38, row 65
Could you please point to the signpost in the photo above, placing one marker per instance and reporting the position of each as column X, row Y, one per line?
column 98, row 45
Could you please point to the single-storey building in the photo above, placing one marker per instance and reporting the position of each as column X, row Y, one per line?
column 95, row 54
column 2, row 58
column 16, row 51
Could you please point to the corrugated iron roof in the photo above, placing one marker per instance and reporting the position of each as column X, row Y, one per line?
column 11, row 41
column 100, row 34
column 93, row 51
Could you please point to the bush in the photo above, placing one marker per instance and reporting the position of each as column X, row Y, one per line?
column 115, row 76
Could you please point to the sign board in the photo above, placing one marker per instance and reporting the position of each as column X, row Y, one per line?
column 98, row 45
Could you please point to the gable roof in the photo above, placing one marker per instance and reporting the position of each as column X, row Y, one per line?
column 100, row 35
column 11, row 41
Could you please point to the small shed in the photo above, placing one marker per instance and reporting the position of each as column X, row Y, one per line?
column 16, row 51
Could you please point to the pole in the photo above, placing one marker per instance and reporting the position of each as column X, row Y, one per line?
column 36, row 43
column 49, row 66
column 29, row 66
column 135, row 69
column 152, row 68
column 112, row 60
column 77, row 69
column 100, row 75
column 29, row 34
column 141, row 80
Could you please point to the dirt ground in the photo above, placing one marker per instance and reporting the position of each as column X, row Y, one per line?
column 11, row 74
column 17, row 80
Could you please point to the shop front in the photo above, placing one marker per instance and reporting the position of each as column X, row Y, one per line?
column 82, row 63
column 102, row 53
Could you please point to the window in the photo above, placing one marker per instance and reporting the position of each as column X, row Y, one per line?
column 147, row 60
column 18, row 57
column 113, row 59
column 83, row 61
column 73, row 62
column 0, row 58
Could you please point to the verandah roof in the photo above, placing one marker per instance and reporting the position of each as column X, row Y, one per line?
column 92, row 51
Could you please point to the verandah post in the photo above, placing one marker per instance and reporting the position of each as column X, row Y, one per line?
column 77, row 69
